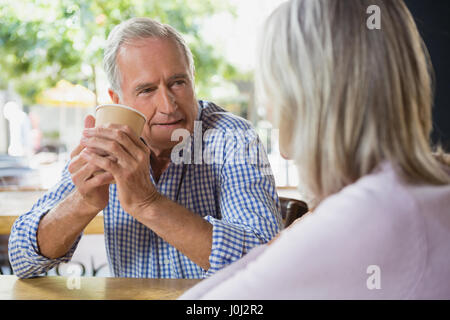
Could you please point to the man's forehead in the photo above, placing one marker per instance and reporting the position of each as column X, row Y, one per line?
column 150, row 45
column 152, row 51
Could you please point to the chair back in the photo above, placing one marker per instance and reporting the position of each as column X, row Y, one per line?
column 292, row 209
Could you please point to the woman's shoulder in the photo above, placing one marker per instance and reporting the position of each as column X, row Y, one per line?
column 384, row 193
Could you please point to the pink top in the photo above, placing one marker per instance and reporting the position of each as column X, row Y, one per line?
column 378, row 238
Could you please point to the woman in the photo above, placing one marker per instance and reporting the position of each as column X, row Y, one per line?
column 354, row 110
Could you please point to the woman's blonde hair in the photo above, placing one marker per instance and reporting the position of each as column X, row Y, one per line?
column 351, row 97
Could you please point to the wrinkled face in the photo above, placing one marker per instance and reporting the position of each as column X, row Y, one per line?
column 156, row 80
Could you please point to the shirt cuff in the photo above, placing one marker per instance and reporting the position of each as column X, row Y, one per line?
column 229, row 243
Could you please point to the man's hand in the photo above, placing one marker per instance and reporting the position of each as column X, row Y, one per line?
column 128, row 162
column 61, row 226
column 93, row 190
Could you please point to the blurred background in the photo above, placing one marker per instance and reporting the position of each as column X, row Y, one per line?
column 51, row 77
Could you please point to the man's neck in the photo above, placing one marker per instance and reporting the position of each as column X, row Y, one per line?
column 159, row 160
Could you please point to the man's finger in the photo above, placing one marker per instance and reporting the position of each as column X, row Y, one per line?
column 101, row 153
column 123, row 135
column 129, row 132
column 84, row 173
column 105, row 163
column 76, row 151
column 111, row 147
column 100, row 179
column 76, row 163
column 89, row 121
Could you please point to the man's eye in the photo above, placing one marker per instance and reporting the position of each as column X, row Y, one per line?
column 179, row 82
column 146, row 90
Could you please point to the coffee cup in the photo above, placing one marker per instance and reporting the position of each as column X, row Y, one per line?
column 120, row 114
column 106, row 114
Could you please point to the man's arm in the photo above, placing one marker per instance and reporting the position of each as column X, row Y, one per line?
column 49, row 233
column 59, row 229
column 23, row 249
column 249, row 205
column 183, row 229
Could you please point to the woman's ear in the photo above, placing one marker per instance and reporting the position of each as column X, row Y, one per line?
column 284, row 151
column 285, row 137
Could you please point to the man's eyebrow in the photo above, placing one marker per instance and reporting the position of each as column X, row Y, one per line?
column 143, row 85
column 171, row 78
column 179, row 76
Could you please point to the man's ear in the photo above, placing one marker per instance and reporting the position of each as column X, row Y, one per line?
column 114, row 96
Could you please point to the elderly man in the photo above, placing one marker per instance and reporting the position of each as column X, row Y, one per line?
column 163, row 219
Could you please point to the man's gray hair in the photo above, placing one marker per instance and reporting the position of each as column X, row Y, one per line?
column 136, row 29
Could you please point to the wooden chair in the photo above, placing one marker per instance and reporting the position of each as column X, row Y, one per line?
column 292, row 209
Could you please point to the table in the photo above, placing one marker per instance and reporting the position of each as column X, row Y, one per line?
column 92, row 288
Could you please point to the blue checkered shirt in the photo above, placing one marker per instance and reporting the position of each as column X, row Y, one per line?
column 231, row 186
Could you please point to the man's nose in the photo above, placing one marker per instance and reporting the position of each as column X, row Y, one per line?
column 166, row 103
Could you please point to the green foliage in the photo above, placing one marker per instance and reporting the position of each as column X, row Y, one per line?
column 43, row 41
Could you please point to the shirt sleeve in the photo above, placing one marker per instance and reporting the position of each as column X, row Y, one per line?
column 23, row 250
column 249, row 204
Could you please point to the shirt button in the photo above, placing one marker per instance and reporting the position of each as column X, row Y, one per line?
column 166, row 261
